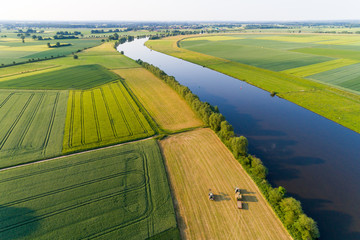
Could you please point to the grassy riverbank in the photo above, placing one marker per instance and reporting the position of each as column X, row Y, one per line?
column 329, row 101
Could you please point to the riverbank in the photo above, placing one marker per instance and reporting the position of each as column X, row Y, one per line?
column 333, row 103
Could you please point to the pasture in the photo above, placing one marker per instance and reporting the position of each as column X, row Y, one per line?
column 76, row 77
column 198, row 161
column 167, row 108
column 32, row 125
column 116, row 192
column 102, row 116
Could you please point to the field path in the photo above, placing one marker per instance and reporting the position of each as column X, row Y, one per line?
column 198, row 161
column 78, row 153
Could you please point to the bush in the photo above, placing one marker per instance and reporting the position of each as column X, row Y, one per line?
column 76, row 56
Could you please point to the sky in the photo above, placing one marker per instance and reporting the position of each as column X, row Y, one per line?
column 180, row 10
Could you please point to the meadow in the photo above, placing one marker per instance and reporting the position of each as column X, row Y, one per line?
column 168, row 109
column 102, row 194
column 32, row 125
column 331, row 100
column 76, row 77
column 198, row 161
column 102, row 116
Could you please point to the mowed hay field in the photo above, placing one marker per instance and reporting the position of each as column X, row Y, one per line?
column 198, row 161
column 168, row 109
column 102, row 116
column 115, row 193
column 31, row 125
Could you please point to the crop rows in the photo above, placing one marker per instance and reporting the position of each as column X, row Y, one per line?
column 102, row 116
column 124, row 188
column 27, row 129
column 319, row 67
column 78, row 77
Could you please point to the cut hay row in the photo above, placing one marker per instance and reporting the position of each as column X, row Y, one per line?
column 124, row 188
column 320, row 67
column 103, row 116
column 34, row 128
column 164, row 104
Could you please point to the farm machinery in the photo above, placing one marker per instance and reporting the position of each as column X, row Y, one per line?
column 238, row 197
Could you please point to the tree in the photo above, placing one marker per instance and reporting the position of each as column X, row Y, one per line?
column 22, row 38
column 291, row 210
column 239, row 146
column 34, row 37
column 49, row 45
column 307, row 228
column 75, row 56
column 276, row 195
column 58, row 44
column 258, row 168
column 215, row 120
column 226, row 131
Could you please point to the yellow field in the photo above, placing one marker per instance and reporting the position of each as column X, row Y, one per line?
column 213, row 38
column 319, row 67
column 31, row 48
column 198, row 161
column 168, row 109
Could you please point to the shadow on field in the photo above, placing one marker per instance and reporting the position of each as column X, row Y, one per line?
column 16, row 222
column 221, row 197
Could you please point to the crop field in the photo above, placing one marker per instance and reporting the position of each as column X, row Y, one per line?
column 198, row 161
column 267, row 58
column 76, row 77
column 32, row 125
column 102, row 116
column 347, row 77
column 331, row 52
column 102, row 194
column 15, row 50
column 319, row 67
column 168, row 109
column 24, row 68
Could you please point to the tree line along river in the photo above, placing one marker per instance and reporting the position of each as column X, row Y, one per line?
column 315, row 159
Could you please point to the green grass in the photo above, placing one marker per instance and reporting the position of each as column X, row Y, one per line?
column 320, row 67
column 116, row 193
column 258, row 56
column 102, row 116
column 32, row 125
column 77, row 77
column 346, row 77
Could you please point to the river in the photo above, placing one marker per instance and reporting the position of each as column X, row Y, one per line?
column 315, row 159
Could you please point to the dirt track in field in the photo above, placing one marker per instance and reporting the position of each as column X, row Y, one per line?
column 198, row 161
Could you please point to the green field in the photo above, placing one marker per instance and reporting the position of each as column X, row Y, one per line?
column 15, row 50
column 119, row 192
column 102, row 116
column 346, row 77
column 77, row 77
column 32, row 125
column 258, row 56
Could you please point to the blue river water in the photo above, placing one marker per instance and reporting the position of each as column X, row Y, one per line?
column 315, row 159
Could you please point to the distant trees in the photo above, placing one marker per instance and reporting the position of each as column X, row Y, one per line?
column 76, row 56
